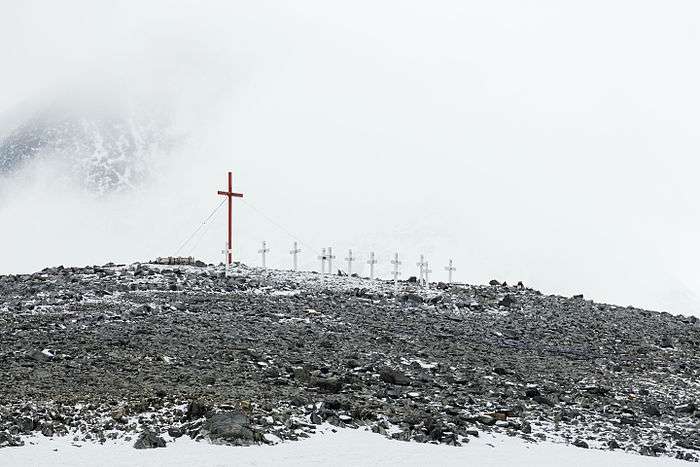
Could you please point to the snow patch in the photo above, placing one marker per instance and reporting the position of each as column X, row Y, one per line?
column 328, row 446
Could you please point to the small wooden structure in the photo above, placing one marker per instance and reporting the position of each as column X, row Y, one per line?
column 180, row 260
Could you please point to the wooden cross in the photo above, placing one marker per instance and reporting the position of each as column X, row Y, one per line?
column 323, row 261
column 396, row 272
column 230, row 194
column 330, row 258
column 449, row 270
column 371, row 263
column 426, row 271
column 226, row 252
column 421, row 267
column 263, row 251
column 350, row 259
column 294, row 251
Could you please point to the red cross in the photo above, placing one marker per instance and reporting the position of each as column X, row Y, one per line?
column 230, row 195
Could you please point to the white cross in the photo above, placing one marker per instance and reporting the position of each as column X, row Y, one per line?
column 263, row 251
column 226, row 252
column 371, row 263
column 323, row 261
column 396, row 272
column 331, row 257
column 350, row 259
column 294, row 252
column 426, row 272
column 421, row 267
column 449, row 270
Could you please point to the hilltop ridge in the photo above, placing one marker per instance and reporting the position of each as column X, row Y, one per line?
column 150, row 353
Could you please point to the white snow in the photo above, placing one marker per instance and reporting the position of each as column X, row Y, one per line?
column 345, row 447
column 285, row 293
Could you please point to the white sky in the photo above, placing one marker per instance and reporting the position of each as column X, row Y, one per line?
column 550, row 142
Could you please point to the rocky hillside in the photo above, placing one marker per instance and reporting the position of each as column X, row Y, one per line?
column 149, row 353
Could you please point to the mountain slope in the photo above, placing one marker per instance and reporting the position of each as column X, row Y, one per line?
column 268, row 354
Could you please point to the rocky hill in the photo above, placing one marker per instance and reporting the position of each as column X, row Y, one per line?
column 150, row 353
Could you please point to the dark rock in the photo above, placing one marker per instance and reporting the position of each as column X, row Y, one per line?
column 327, row 385
column 196, row 409
column 26, row 425
column 315, row 418
column 402, row 435
column 208, row 379
column 298, row 401
column 544, row 400
column 685, row 408
column 487, row 420
column 647, row 451
column 47, row 430
column 507, row 301
column 38, row 356
column 666, row 343
column 149, row 440
column 580, row 444
column 230, row 428
column 627, row 420
column 411, row 297
column 8, row 440
column 690, row 442
column 391, row 376
column 435, row 300
column 652, row 410
column 597, row 390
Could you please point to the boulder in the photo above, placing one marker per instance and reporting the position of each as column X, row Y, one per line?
column 149, row 440
column 327, row 385
column 652, row 410
column 487, row 420
column 391, row 376
column 579, row 443
column 196, row 409
column 230, row 428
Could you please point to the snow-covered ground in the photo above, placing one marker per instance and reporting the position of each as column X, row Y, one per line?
column 343, row 447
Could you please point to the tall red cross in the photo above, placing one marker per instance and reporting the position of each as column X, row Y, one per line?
column 230, row 195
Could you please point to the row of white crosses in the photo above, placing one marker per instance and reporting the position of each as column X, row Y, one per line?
column 328, row 256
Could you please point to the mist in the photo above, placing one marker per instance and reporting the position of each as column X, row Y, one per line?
column 538, row 141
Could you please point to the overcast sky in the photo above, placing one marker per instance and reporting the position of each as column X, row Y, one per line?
column 544, row 141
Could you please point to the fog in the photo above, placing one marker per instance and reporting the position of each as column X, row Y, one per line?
column 548, row 142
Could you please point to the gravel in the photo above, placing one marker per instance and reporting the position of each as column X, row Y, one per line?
column 150, row 353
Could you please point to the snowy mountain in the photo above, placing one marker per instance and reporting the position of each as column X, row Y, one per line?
column 103, row 145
